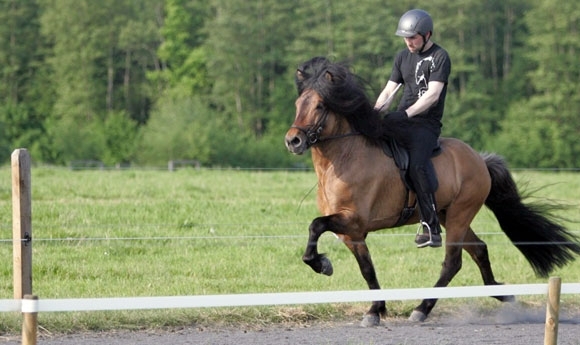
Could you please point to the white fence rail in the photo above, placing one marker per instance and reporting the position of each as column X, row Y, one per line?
column 262, row 299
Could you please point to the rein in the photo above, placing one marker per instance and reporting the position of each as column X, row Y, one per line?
column 313, row 132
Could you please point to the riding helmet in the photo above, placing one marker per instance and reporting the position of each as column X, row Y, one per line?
column 415, row 22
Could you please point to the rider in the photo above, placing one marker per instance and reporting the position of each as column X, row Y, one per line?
column 424, row 69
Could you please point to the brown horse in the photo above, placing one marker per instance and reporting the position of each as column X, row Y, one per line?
column 360, row 189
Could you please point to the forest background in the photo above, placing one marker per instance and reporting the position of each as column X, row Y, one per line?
column 142, row 82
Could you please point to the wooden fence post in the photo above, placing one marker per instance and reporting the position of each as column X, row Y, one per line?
column 553, row 311
column 29, row 320
column 21, row 223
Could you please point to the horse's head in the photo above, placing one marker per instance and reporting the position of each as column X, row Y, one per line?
column 314, row 120
column 331, row 104
column 310, row 124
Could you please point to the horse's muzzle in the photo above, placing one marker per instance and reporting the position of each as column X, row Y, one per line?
column 296, row 142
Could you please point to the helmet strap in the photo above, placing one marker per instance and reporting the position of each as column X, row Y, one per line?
column 425, row 40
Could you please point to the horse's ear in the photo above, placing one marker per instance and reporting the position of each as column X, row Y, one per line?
column 300, row 75
column 329, row 76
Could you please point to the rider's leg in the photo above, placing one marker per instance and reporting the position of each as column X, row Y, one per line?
column 424, row 182
column 431, row 235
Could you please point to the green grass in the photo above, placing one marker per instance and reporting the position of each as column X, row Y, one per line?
column 157, row 233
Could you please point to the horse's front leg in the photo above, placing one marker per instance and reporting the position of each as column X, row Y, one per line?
column 363, row 257
column 319, row 262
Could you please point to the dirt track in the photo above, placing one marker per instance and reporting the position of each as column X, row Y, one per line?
column 508, row 325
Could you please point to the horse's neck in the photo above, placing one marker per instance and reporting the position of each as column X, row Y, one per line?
column 351, row 154
column 329, row 154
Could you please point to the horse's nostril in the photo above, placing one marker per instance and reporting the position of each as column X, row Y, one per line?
column 293, row 142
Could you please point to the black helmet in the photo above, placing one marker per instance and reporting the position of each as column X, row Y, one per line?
column 415, row 22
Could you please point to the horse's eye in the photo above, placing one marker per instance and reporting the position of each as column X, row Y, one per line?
column 320, row 107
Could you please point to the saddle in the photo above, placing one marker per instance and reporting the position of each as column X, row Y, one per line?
column 400, row 155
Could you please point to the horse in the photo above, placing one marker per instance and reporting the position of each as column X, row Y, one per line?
column 360, row 189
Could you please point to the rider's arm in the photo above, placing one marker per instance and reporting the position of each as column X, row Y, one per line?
column 428, row 99
column 384, row 96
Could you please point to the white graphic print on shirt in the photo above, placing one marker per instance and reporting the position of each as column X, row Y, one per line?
column 420, row 79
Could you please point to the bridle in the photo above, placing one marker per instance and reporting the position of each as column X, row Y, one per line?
column 313, row 132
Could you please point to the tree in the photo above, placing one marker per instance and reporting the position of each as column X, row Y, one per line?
column 547, row 122
column 247, row 42
column 21, row 54
column 81, row 79
column 179, row 128
column 101, row 52
column 137, row 58
column 19, row 44
column 182, row 53
column 358, row 33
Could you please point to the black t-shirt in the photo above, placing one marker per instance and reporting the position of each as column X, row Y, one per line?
column 415, row 71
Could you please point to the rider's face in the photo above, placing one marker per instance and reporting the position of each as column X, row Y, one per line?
column 414, row 43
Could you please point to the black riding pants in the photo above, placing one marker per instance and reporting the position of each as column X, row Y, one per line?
column 420, row 142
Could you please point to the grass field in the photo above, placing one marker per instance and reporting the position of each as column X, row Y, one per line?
column 159, row 233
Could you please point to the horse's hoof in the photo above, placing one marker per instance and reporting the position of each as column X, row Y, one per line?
column 417, row 316
column 370, row 320
column 509, row 299
column 326, row 266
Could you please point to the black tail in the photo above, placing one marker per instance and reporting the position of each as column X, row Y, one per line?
column 531, row 228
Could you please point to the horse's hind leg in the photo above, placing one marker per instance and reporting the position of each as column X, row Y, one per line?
column 478, row 251
column 451, row 265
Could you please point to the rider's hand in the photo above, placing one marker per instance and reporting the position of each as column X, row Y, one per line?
column 397, row 115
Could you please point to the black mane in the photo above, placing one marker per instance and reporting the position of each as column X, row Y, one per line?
column 342, row 93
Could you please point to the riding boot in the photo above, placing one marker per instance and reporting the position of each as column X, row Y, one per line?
column 431, row 235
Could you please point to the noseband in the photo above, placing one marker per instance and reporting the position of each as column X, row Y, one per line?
column 313, row 132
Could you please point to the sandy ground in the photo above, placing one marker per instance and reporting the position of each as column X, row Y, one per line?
column 508, row 325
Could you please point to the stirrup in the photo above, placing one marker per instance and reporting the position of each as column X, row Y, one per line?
column 434, row 240
column 422, row 226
